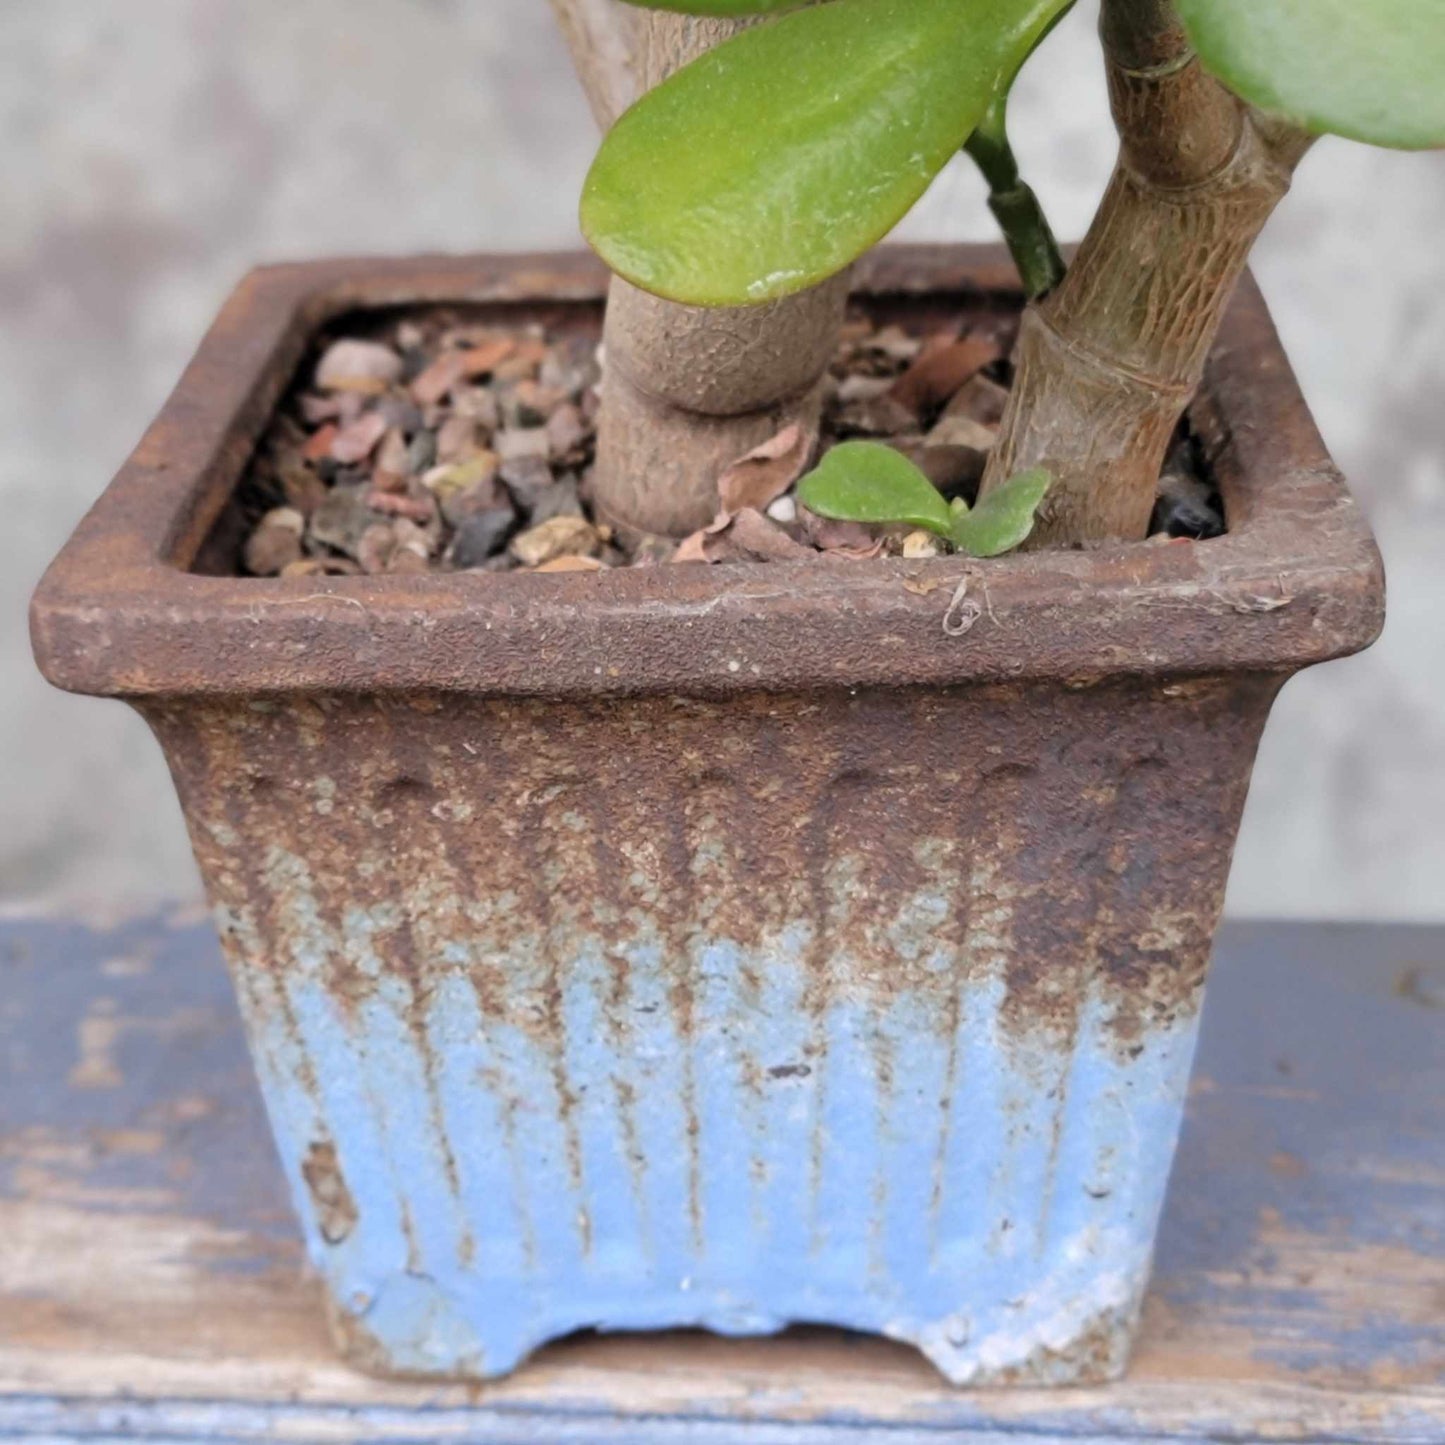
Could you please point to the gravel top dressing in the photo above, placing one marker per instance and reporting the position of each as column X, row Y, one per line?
column 438, row 444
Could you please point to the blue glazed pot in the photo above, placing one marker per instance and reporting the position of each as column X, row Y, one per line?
column 722, row 947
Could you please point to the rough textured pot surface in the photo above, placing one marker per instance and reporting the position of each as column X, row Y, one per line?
column 723, row 946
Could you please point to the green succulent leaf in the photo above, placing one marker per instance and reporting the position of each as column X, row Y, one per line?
column 1373, row 70
column 1004, row 518
column 870, row 482
column 779, row 157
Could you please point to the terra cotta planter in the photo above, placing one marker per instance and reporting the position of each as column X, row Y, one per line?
column 725, row 946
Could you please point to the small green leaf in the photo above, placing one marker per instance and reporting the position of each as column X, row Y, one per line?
column 869, row 482
column 779, row 157
column 1373, row 70
column 1004, row 518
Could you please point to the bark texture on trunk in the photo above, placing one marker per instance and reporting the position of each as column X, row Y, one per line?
column 687, row 390
column 1107, row 364
column 603, row 38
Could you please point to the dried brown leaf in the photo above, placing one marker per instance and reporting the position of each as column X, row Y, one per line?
column 856, row 554
column 940, row 371
column 752, row 537
column 831, row 536
column 691, row 549
column 765, row 473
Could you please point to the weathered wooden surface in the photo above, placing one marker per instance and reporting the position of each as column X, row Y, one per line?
column 150, row 1279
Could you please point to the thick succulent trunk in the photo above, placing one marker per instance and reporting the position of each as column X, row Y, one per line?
column 1107, row 364
column 687, row 390
column 603, row 38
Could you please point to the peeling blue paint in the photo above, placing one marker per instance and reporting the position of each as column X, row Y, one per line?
column 987, row 1195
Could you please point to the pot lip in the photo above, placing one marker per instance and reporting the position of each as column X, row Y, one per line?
column 1296, row 581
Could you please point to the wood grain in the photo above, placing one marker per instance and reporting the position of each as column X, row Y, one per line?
column 151, row 1281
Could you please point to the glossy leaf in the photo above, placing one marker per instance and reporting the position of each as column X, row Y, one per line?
column 1373, row 70
column 869, row 482
column 778, row 158
column 1004, row 518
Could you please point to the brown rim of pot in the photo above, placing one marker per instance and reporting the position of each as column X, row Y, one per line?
column 1296, row 580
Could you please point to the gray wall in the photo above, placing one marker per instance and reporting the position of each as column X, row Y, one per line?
column 156, row 148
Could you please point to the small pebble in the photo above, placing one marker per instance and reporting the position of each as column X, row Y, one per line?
column 560, row 499
column 276, row 542
column 874, row 416
column 374, row 548
column 568, row 372
column 558, row 537
column 438, row 379
column 365, row 365
column 895, row 343
column 457, row 439
column 392, row 462
column 405, row 560
column 857, row 388
column 955, row 470
column 1187, row 507
column 405, row 416
column 529, row 404
column 358, row 439
column 481, row 405
column 482, row 535
column 418, row 509
column 411, row 550
column 303, row 489
column 341, row 519
column 962, row 431
column 566, row 432
column 515, row 444
column 980, row 398
column 287, row 517
column 421, row 454
column 460, row 476
column 526, row 479
column 316, row 410
column 485, row 496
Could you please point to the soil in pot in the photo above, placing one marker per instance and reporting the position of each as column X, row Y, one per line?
column 434, row 441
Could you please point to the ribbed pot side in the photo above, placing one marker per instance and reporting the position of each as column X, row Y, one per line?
column 730, row 947
column 874, row 1010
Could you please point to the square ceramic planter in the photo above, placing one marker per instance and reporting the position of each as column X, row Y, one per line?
column 730, row 946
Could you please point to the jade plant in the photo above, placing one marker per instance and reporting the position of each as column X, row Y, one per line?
column 869, row 482
column 776, row 142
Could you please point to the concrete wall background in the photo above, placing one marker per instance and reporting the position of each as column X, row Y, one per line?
column 157, row 148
